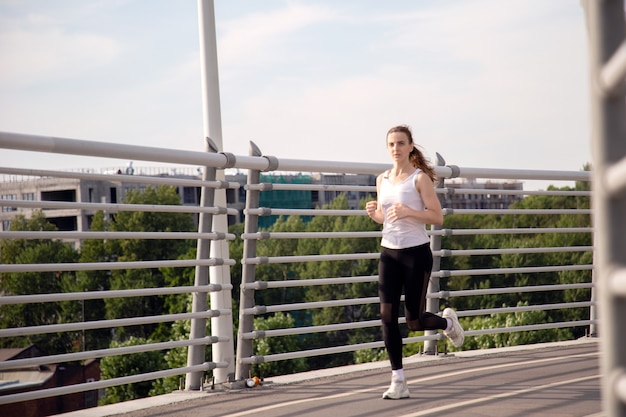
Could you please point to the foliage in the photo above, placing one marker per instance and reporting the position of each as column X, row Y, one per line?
column 174, row 358
column 143, row 250
column 273, row 345
column 37, row 251
column 507, row 320
column 94, row 250
column 130, row 364
column 517, row 260
column 51, row 251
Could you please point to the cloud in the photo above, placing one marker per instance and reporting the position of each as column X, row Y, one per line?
column 474, row 79
column 263, row 38
column 33, row 55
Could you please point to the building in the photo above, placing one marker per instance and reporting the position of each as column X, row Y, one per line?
column 487, row 195
column 471, row 194
column 114, row 190
column 32, row 378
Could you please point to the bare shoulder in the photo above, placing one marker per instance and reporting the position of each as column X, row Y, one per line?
column 423, row 180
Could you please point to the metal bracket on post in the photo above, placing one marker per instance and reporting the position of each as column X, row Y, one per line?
column 272, row 163
column 456, row 171
column 231, row 159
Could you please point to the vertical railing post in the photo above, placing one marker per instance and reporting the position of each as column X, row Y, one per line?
column 432, row 304
column 221, row 326
column 246, row 297
column 594, row 308
column 606, row 27
column 199, row 302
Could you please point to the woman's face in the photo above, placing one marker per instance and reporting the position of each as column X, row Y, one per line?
column 398, row 146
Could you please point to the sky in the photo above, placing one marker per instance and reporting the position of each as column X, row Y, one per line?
column 484, row 83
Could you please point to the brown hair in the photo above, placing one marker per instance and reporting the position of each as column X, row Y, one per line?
column 417, row 158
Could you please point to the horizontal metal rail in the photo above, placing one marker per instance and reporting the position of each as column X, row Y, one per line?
column 613, row 72
column 117, row 235
column 139, row 179
column 617, row 281
column 269, row 186
column 109, row 266
column 373, row 345
column 480, row 252
column 156, row 208
column 519, row 309
column 313, row 304
column 529, row 327
column 309, row 235
column 102, row 353
column 50, row 144
column 258, row 334
column 497, row 191
column 504, row 271
column 444, row 190
column 105, row 324
column 308, row 258
column 106, row 383
column 615, row 177
column 450, row 211
column 261, row 285
column 265, row 211
column 529, row 230
column 508, row 290
column 101, row 295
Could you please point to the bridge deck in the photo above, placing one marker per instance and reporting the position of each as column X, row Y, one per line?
column 560, row 379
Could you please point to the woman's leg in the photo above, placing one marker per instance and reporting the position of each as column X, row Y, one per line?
column 390, row 291
column 418, row 263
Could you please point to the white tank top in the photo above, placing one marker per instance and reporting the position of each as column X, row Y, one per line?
column 406, row 232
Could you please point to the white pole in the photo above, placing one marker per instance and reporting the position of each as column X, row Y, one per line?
column 220, row 326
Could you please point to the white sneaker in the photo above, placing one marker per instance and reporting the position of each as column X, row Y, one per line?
column 456, row 333
column 397, row 390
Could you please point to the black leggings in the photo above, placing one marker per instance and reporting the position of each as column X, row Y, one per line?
column 407, row 269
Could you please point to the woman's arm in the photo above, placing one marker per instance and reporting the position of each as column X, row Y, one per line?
column 433, row 213
column 374, row 209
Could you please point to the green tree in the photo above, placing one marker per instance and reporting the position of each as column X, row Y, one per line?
column 36, row 251
column 94, row 250
column 523, row 260
column 142, row 250
column 346, row 314
column 130, row 364
column 273, row 345
column 501, row 320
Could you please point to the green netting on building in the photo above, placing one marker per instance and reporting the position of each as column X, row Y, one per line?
column 289, row 199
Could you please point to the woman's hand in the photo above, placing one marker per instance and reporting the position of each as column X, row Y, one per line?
column 397, row 211
column 373, row 211
column 371, row 207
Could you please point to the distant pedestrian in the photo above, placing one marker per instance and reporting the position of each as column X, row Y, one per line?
column 406, row 202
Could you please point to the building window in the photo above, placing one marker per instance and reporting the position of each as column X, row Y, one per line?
column 59, row 195
column 28, row 196
column 6, row 209
column 189, row 195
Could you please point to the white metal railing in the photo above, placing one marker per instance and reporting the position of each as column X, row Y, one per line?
column 252, row 236
column 606, row 25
